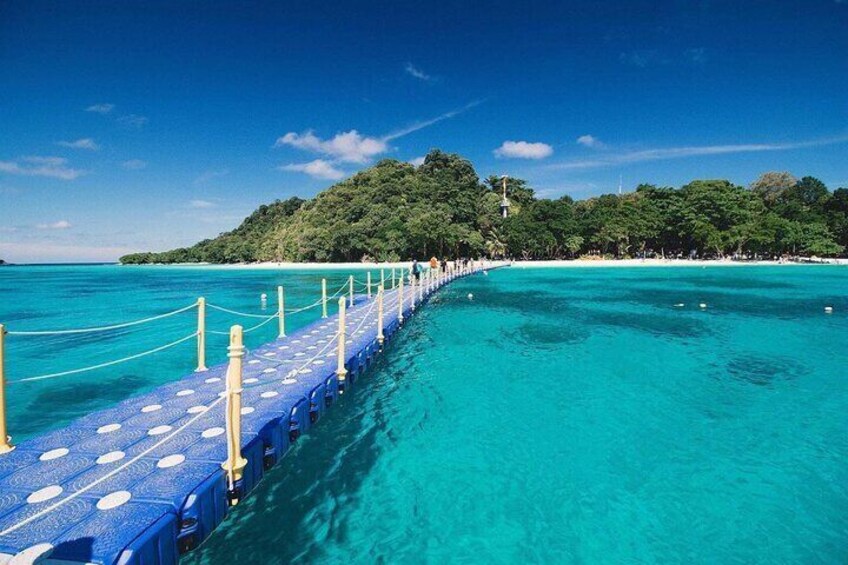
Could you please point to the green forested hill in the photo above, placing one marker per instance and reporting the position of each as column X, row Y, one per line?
column 395, row 211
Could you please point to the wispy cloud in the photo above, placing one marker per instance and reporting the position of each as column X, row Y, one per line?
column 414, row 71
column 84, row 143
column 319, row 169
column 60, row 225
column 418, row 161
column 134, row 164
column 53, row 167
column 523, row 150
column 427, row 123
column 100, row 108
column 201, row 204
column 211, row 175
column 689, row 151
column 133, row 121
column 590, row 141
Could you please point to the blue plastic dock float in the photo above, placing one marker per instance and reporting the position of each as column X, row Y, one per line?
column 142, row 482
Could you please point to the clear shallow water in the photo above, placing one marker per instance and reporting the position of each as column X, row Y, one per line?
column 560, row 416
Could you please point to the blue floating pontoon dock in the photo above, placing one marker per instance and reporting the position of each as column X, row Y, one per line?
column 143, row 482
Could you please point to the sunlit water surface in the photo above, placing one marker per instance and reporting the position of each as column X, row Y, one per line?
column 562, row 415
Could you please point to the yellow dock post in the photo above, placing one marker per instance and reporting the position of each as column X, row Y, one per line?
column 323, row 298
column 281, row 311
column 368, row 284
column 5, row 441
column 235, row 463
column 341, row 372
column 201, row 335
column 382, row 278
column 393, row 277
column 350, row 284
column 400, row 300
column 380, row 337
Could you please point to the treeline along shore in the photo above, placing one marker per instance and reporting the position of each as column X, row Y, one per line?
column 395, row 211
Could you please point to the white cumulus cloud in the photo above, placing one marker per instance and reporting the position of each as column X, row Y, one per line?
column 84, row 143
column 523, row 150
column 349, row 147
column 319, row 169
column 590, row 141
column 53, row 167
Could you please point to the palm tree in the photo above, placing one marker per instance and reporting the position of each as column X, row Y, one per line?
column 495, row 246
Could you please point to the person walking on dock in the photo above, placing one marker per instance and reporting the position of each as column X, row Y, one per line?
column 434, row 263
column 415, row 270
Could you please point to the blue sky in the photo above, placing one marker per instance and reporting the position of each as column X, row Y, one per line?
column 130, row 126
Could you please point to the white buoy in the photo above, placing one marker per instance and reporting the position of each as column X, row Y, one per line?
column 828, row 309
column 679, row 305
column 470, row 296
column 702, row 305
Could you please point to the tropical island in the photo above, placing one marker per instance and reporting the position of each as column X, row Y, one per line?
column 395, row 210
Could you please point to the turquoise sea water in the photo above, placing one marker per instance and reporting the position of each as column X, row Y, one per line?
column 561, row 416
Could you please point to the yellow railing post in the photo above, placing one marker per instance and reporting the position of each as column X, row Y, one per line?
column 350, row 285
column 393, row 277
column 281, row 311
column 201, row 334
column 400, row 300
column 383, row 278
column 341, row 372
column 368, row 284
column 412, row 292
column 235, row 463
column 323, row 298
column 5, row 441
column 380, row 337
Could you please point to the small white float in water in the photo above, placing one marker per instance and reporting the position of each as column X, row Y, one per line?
column 679, row 305
column 828, row 309
column 470, row 296
column 702, row 305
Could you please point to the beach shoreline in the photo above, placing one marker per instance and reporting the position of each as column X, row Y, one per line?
column 564, row 264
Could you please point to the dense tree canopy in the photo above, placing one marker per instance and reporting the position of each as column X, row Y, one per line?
column 396, row 211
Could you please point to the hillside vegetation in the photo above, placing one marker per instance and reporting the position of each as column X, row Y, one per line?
column 395, row 211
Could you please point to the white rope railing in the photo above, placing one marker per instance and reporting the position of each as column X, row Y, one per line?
column 106, row 364
column 235, row 312
column 106, row 328
column 111, row 473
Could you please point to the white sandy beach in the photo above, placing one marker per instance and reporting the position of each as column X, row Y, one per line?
column 578, row 263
